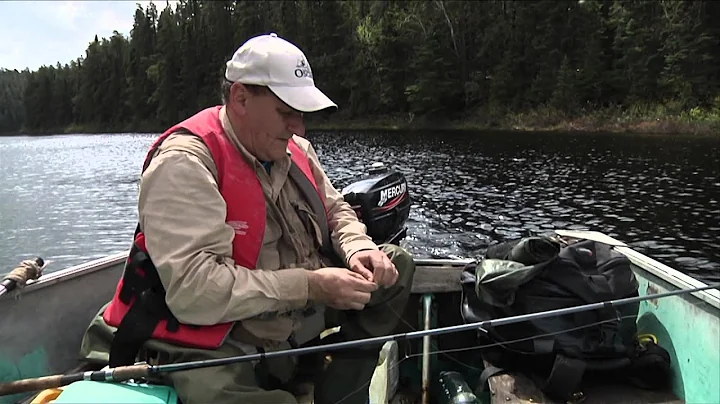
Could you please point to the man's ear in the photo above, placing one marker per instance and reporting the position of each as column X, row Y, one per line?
column 239, row 95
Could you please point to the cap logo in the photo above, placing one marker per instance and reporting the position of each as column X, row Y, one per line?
column 302, row 69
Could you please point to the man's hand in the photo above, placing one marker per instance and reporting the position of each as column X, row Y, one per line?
column 375, row 266
column 339, row 288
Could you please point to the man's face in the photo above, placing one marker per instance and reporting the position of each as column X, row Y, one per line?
column 268, row 122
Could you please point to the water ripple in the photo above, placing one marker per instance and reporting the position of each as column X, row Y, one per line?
column 72, row 198
column 659, row 194
column 68, row 198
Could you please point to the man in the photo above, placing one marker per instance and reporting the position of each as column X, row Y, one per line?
column 227, row 256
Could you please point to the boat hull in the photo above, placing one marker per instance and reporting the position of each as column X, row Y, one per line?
column 689, row 328
column 43, row 328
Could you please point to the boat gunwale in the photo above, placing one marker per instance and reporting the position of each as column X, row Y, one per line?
column 652, row 266
column 672, row 276
column 642, row 261
column 65, row 274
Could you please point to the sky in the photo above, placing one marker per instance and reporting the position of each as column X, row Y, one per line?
column 36, row 33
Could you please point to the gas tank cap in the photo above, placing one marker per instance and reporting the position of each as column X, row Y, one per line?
column 377, row 168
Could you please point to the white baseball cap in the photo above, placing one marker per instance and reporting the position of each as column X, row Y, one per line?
column 268, row 60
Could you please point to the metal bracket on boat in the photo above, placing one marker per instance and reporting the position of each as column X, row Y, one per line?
column 28, row 270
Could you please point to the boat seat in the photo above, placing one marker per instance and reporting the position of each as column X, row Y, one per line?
column 513, row 387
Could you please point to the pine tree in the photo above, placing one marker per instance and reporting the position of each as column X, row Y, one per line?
column 437, row 59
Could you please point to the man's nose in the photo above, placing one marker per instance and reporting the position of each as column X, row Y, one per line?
column 296, row 125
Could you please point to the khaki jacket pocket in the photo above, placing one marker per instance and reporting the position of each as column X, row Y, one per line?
column 310, row 222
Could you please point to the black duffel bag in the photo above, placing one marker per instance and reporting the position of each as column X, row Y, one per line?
column 537, row 274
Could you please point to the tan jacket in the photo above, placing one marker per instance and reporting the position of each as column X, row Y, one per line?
column 182, row 214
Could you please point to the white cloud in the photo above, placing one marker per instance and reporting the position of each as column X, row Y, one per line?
column 64, row 13
column 47, row 32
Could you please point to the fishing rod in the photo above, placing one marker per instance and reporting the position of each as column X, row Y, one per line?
column 23, row 273
column 122, row 373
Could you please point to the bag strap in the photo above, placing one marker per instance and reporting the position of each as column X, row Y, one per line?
column 565, row 377
column 488, row 372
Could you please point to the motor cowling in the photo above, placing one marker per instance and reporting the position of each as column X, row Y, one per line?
column 381, row 201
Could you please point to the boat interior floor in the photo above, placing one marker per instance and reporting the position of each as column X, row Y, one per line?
column 513, row 387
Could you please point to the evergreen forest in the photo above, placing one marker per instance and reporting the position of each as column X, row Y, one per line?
column 500, row 63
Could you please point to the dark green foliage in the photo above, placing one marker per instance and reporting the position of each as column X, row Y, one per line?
column 12, row 91
column 436, row 60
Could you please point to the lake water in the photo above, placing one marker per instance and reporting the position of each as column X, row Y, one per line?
column 72, row 198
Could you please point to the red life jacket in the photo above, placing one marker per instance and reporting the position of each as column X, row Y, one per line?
column 241, row 189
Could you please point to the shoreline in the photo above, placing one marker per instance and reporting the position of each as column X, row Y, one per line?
column 640, row 127
column 538, row 121
column 634, row 121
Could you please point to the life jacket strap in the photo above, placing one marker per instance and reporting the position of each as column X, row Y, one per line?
column 141, row 282
column 137, row 327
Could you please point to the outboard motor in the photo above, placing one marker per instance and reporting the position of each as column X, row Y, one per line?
column 381, row 201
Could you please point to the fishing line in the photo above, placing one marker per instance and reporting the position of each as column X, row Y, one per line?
column 445, row 352
column 414, row 329
column 141, row 370
column 495, row 344
column 457, row 361
column 501, row 344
